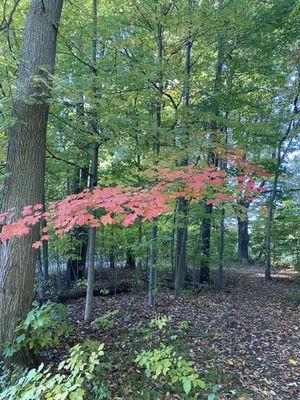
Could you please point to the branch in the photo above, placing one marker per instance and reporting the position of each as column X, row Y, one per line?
column 5, row 23
column 67, row 162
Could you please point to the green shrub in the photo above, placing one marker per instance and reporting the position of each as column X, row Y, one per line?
column 80, row 284
column 43, row 326
column 163, row 364
column 75, row 379
column 105, row 321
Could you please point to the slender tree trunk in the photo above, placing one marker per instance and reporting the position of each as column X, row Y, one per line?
column 220, row 273
column 140, row 240
column 76, row 266
column 152, row 269
column 94, row 174
column 212, row 160
column 182, row 231
column 269, row 226
column 173, row 243
column 153, row 249
column 26, row 159
column 91, row 245
column 180, row 262
column 45, row 255
column 205, row 244
column 281, row 154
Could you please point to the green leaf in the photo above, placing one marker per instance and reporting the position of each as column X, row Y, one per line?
column 187, row 386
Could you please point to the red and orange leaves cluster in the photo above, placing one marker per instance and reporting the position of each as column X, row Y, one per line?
column 118, row 205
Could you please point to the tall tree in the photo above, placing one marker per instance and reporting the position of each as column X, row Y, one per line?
column 94, row 169
column 182, row 207
column 24, row 184
column 280, row 154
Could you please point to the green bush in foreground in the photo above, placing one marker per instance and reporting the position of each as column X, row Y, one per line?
column 43, row 327
column 76, row 378
column 163, row 364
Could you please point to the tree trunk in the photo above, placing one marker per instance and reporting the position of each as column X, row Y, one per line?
column 220, row 272
column 45, row 255
column 76, row 265
column 94, row 173
column 212, row 160
column 152, row 269
column 205, row 245
column 24, row 184
column 243, row 234
column 181, row 231
column 243, row 238
column 130, row 260
column 153, row 250
column 91, row 244
column 180, row 262
column 269, row 226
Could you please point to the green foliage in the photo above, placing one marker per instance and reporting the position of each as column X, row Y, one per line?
column 159, row 324
column 165, row 365
column 75, row 379
column 80, row 284
column 43, row 327
column 183, row 325
column 105, row 321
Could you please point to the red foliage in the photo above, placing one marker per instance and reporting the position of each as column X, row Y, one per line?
column 117, row 205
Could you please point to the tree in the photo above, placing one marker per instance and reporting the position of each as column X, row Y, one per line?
column 280, row 154
column 26, row 159
column 94, row 170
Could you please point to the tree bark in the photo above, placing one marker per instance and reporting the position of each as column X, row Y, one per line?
column 243, row 239
column 152, row 269
column 153, row 249
column 220, row 273
column 281, row 154
column 182, row 230
column 24, row 184
column 91, row 245
column 269, row 223
column 180, row 262
column 243, row 234
column 205, row 244
column 94, row 173
column 76, row 265
column 212, row 160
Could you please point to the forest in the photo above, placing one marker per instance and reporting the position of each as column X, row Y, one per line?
column 150, row 199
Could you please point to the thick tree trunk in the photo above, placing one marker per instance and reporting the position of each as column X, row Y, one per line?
column 24, row 184
column 130, row 260
column 243, row 234
column 243, row 238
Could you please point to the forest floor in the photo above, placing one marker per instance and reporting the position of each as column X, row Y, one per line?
column 245, row 339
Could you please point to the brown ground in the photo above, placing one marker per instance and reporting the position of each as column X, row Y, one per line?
column 249, row 333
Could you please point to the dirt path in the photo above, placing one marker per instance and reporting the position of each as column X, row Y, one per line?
column 249, row 333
